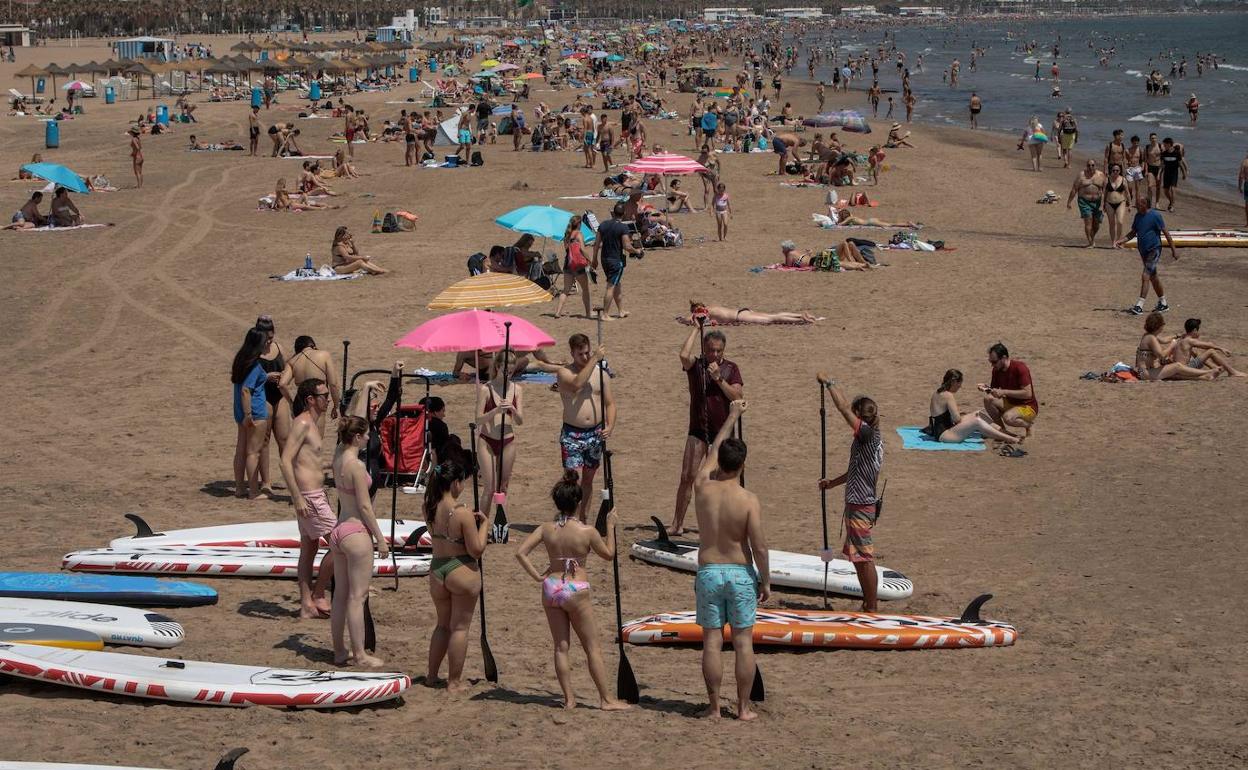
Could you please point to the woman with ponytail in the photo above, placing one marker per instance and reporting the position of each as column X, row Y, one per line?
column 459, row 537
column 351, row 542
column 947, row 425
column 496, row 441
column 565, row 586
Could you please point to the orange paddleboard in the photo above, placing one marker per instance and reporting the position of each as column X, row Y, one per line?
column 837, row 630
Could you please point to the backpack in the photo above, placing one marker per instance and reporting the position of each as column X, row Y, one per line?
column 426, row 156
column 477, row 159
column 537, row 275
column 390, row 223
column 827, row 259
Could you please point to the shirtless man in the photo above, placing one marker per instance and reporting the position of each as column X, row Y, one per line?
column 589, row 124
column 253, row 131
column 1134, row 168
column 1152, row 162
column 733, row 573
column 30, row 211
column 136, row 156
column 301, row 467
column 349, row 124
column 1089, row 186
column 606, row 140
column 309, row 362
column 1116, row 151
column 1197, row 353
column 588, row 412
column 976, row 105
column 713, row 382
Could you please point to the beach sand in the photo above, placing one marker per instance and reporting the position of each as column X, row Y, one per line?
column 117, row 348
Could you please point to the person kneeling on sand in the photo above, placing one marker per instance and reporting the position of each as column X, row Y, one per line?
column 728, row 587
column 947, row 425
column 1010, row 398
column 347, row 258
column 566, row 595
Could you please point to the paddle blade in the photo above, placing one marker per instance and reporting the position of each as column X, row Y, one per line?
column 370, row 631
column 625, row 682
column 491, row 668
column 600, row 523
column 500, row 532
column 757, row 693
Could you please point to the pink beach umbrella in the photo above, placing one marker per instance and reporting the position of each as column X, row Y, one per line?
column 666, row 164
column 475, row 330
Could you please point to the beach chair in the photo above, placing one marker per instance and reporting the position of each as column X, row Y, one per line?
column 28, row 99
column 412, row 451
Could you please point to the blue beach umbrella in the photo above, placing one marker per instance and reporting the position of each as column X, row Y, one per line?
column 542, row 221
column 58, row 175
column 615, row 57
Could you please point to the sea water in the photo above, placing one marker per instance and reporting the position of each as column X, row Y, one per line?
column 1103, row 98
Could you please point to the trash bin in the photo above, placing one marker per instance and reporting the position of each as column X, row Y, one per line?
column 110, row 95
column 314, row 91
column 413, row 75
column 257, row 97
column 40, row 86
column 162, row 114
column 433, row 65
column 52, row 134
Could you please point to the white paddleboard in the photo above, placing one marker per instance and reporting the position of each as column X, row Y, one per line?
column 792, row 570
column 115, row 625
column 4, row 765
column 223, row 562
column 257, row 534
column 190, row 681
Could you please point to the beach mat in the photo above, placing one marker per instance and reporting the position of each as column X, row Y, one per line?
column 915, row 438
column 783, row 268
column 686, row 321
column 305, row 157
column 323, row 274
column 448, row 378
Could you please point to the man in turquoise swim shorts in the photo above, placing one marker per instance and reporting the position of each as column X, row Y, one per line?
column 728, row 588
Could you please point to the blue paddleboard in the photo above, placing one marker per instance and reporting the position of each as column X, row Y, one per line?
column 129, row 590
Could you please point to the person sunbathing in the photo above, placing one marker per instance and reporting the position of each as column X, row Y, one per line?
column 1200, row 353
column 719, row 314
column 948, row 426
column 342, row 169
column 286, row 201
column 309, row 184
column 848, row 256
column 1155, row 361
column 64, row 213
column 896, row 138
column 677, row 199
column 347, row 258
column 23, row 174
column 846, row 219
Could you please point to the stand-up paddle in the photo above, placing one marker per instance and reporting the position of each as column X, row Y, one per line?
column 823, row 474
column 757, row 692
column 394, row 475
column 491, row 668
column 741, row 435
column 501, row 530
column 625, row 680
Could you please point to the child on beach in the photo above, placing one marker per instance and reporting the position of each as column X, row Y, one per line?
column 566, row 595
column 875, row 161
column 723, row 210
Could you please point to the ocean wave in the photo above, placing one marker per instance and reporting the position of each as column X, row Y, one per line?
column 1135, row 73
column 1173, row 127
column 1235, row 67
column 1150, row 117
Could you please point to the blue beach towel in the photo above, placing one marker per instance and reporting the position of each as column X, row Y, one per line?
column 915, row 438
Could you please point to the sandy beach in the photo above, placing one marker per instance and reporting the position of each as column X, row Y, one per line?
column 118, row 344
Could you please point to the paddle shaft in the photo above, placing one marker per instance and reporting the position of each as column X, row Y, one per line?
column 501, row 528
column 823, row 474
column 625, row 681
column 757, row 691
column 394, row 477
column 487, row 656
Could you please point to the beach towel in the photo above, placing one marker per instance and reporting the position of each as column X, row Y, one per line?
column 316, row 117
column 802, row 184
column 323, row 273
column 50, row 229
column 915, row 438
column 216, row 148
column 448, row 378
column 686, row 321
column 780, row 266
column 306, row 157
column 824, row 221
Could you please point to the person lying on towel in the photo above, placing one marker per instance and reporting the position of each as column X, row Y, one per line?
column 718, row 314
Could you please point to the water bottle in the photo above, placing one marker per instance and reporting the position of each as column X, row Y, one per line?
column 307, row 262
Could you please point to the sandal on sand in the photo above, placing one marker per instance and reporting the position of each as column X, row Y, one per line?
column 1012, row 450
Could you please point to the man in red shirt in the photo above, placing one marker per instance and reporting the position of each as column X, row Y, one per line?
column 714, row 383
column 1010, row 399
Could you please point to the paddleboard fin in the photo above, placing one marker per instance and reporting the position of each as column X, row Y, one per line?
column 413, row 540
column 971, row 613
column 662, row 538
column 227, row 760
column 141, row 527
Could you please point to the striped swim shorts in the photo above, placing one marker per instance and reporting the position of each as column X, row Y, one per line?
column 859, row 519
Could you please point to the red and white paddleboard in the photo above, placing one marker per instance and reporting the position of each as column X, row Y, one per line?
column 223, row 562
column 190, row 681
column 256, row 534
column 838, row 630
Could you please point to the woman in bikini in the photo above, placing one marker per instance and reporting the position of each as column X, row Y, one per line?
column 849, row 256
column 947, row 425
column 1114, row 202
column 283, row 200
column 565, row 586
column 459, row 537
column 273, row 362
column 136, row 156
column 845, row 219
column 718, row 314
column 1151, row 356
column 496, row 444
column 309, row 184
column 574, row 250
column 351, row 542
column 347, row 258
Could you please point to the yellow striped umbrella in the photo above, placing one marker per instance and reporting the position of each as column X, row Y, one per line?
column 490, row 290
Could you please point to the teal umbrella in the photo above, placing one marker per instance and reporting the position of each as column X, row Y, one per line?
column 64, row 177
column 542, row 221
column 615, row 57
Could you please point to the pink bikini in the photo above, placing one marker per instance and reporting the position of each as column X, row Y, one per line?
column 344, row 529
column 557, row 590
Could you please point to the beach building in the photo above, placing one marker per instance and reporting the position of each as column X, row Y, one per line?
column 860, row 11
column 794, row 13
column 922, row 12
column 726, row 14
column 16, row 36
column 158, row 48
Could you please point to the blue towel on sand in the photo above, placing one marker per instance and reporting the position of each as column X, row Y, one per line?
column 915, row 438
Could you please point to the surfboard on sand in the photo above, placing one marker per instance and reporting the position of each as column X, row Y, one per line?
column 116, row 625
column 106, row 589
column 1205, row 239
column 791, row 570
column 226, row 762
column 259, row 534
column 191, row 681
column 50, row 636
column 837, row 630
column 223, row 562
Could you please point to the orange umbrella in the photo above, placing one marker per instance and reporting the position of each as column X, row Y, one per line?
column 490, row 290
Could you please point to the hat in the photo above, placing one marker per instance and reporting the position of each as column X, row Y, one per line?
column 896, row 125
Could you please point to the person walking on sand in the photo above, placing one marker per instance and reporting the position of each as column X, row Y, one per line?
column 1089, row 186
column 251, row 413
column 136, row 156
column 1173, row 163
column 723, row 210
column 566, row 595
column 866, row 458
column 733, row 571
column 253, row 131
column 301, row 468
column 613, row 246
column 713, row 382
column 1147, row 228
column 459, row 538
column 588, row 412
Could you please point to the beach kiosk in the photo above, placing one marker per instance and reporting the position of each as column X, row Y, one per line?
column 158, row 48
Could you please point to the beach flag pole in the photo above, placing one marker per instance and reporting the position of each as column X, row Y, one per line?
column 491, row 668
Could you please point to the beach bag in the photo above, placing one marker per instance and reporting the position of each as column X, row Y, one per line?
column 476, row 264
column 426, row 156
column 389, row 223
column 576, row 258
column 591, row 220
column 477, row 159
column 410, row 448
column 826, row 259
column 537, row 275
